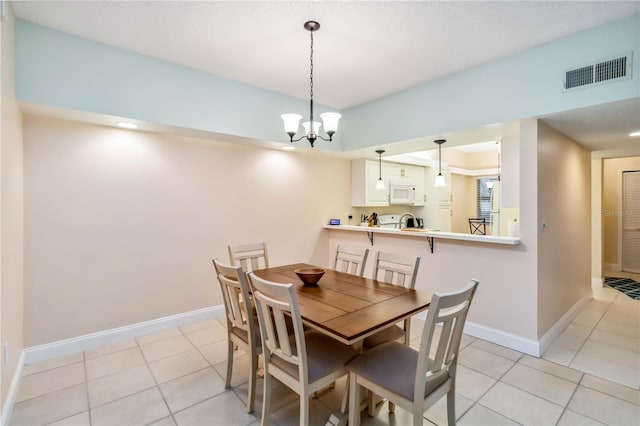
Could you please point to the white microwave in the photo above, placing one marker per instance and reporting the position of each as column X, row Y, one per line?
column 402, row 193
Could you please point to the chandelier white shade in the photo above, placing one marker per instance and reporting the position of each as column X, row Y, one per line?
column 316, row 127
column 329, row 119
column 291, row 122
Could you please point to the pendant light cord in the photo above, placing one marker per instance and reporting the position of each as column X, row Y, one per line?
column 311, row 85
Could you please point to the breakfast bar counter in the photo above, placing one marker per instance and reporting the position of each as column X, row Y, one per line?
column 428, row 234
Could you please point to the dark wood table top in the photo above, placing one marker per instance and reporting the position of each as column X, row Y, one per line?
column 349, row 307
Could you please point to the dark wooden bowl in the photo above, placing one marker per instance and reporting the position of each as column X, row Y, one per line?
column 310, row 276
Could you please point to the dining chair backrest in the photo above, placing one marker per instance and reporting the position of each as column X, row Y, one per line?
column 478, row 226
column 236, row 298
column 274, row 303
column 427, row 375
column 351, row 260
column 303, row 361
column 396, row 269
column 249, row 256
column 242, row 325
column 448, row 310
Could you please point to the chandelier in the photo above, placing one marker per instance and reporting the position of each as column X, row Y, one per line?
column 311, row 127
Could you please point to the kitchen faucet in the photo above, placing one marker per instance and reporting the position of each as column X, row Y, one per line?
column 405, row 216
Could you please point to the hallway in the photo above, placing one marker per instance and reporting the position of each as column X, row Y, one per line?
column 604, row 339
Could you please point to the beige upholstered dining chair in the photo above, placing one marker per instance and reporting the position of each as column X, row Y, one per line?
column 249, row 256
column 242, row 325
column 410, row 378
column 306, row 361
column 351, row 260
column 398, row 270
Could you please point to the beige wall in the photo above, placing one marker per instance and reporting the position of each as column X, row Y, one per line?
column 612, row 206
column 505, row 300
column 471, row 160
column 564, row 205
column 11, row 211
column 121, row 226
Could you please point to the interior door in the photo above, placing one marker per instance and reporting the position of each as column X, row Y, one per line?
column 631, row 221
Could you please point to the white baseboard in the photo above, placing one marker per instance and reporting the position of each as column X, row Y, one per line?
column 7, row 408
column 557, row 329
column 597, row 282
column 503, row 338
column 496, row 336
column 93, row 340
column 519, row 343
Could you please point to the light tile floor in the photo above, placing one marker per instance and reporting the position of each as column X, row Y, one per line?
column 176, row 377
column 604, row 339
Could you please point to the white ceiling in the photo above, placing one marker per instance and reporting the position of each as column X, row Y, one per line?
column 363, row 51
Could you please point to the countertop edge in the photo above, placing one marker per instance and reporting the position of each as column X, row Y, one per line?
column 424, row 234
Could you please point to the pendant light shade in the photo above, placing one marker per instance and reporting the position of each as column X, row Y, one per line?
column 439, row 182
column 329, row 119
column 380, row 183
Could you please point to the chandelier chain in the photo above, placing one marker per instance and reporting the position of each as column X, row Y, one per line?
column 311, row 68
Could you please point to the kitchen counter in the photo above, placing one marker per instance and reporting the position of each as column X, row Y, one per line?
column 428, row 234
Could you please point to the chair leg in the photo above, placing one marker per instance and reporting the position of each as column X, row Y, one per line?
column 266, row 400
column 252, row 384
column 304, row 409
column 451, row 407
column 354, row 401
column 418, row 417
column 407, row 332
column 392, row 407
column 227, row 383
column 345, row 395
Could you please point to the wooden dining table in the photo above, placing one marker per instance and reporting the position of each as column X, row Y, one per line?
column 349, row 307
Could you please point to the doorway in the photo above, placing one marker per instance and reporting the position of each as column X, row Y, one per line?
column 631, row 221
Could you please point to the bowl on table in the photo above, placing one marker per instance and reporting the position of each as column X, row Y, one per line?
column 309, row 276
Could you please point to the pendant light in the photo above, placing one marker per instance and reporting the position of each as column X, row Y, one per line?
column 439, row 182
column 380, row 183
column 491, row 182
column 311, row 127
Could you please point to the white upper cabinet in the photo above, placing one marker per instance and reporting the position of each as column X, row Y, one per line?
column 364, row 175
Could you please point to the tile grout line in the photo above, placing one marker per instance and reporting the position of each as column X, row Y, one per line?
column 157, row 386
column 498, row 380
column 156, row 383
column 590, row 333
column 573, row 394
column 548, row 372
column 566, row 407
column 524, row 390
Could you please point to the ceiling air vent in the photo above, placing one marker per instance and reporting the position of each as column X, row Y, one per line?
column 608, row 70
